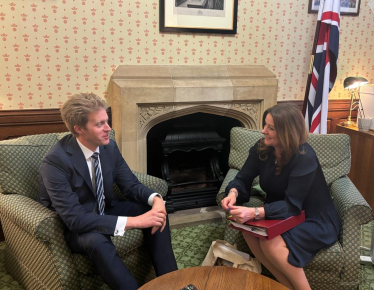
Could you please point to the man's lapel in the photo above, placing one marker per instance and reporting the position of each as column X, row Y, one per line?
column 78, row 161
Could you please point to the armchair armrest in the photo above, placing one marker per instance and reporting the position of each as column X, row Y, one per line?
column 353, row 211
column 257, row 195
column 31, row 216
column 229, row 176
column 352, row 208
column 157, row 184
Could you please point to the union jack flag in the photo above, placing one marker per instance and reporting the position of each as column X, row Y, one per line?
column 324, row 66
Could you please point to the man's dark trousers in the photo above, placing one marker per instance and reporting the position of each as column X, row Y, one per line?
column 101, row 251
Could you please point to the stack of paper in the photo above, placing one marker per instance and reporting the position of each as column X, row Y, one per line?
column 257, row 230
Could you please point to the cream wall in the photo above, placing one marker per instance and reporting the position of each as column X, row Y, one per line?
column 51, row 49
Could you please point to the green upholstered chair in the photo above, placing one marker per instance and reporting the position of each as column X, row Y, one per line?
column 336, row 267
column 36, row 253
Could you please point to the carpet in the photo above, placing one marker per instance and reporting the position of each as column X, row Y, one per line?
column 190, row 245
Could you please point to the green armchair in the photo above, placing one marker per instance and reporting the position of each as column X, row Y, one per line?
column 36, row 253
column 337, row 267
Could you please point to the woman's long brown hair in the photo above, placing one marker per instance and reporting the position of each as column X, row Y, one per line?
column 290, row 127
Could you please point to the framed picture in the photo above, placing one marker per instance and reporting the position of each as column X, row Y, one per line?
column 199, row 16
column 347, row 7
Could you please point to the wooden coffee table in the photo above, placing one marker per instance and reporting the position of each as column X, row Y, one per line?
column 213, row 278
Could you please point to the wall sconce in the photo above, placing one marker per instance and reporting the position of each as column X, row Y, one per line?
column 353, row 84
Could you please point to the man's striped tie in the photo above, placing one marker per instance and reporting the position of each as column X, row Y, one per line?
column 99, row 183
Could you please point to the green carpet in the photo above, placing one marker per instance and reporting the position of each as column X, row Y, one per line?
column 190, row 246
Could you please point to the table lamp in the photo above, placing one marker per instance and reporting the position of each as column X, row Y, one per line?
column 353, row 84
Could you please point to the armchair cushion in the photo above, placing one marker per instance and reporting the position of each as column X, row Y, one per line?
column 334, row 154
column 19, row 175
column 240, row 144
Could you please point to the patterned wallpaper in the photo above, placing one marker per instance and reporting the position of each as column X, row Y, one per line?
column 51, row 49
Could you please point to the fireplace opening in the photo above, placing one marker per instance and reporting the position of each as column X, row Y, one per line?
column 191, row 167
column 191, row 154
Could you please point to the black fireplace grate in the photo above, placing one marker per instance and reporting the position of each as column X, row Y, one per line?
column 191, row 167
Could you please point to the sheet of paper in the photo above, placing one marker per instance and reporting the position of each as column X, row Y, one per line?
column 242, row 254
column 258, row 231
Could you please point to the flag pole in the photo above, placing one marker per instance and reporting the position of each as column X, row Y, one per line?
column 309, row 79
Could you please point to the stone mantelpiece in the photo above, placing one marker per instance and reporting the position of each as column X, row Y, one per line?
column 142, row 96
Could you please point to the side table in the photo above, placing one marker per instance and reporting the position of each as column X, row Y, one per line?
column 213, row 278
column 362, row 161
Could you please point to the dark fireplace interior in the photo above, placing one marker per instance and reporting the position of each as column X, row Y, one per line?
column 191, row 153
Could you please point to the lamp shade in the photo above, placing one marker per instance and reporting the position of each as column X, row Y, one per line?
column 354, row 82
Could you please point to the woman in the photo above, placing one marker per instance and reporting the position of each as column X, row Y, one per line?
column 293, row 180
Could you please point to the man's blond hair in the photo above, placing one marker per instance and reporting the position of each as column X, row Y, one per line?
column 75, row 111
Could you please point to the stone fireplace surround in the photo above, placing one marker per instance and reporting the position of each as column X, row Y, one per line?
column 142, row 96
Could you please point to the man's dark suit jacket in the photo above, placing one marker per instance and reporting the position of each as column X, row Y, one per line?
column 66, row 188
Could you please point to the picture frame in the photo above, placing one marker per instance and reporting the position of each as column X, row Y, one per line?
column 199, row 16
column 347, row 7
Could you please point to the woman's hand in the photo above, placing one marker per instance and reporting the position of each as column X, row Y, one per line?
column 241, row 214
column 229, row 201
